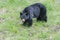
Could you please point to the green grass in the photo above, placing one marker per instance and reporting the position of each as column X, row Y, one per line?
column 11, row 26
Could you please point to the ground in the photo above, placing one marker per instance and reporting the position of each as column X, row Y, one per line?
column 10, row 23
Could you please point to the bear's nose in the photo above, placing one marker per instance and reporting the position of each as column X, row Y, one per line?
column 23, row 20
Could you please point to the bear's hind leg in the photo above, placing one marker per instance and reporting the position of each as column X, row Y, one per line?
column 45, row 18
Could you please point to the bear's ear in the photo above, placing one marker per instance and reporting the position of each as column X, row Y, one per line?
column 20, row 13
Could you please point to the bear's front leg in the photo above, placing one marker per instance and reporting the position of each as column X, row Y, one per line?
column 25, row 23
column 30, row 22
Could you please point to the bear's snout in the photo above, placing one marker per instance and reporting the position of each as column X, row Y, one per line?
column 23, row 20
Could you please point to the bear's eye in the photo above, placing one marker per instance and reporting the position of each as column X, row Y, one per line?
column 26, row 14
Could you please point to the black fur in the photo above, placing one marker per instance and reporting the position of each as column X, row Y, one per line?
column 36, row 10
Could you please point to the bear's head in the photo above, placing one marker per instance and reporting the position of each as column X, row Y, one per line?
column 24, row 16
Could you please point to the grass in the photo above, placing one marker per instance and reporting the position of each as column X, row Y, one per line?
column 10, row 23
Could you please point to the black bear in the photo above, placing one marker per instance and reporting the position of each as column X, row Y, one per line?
column 36, row 10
